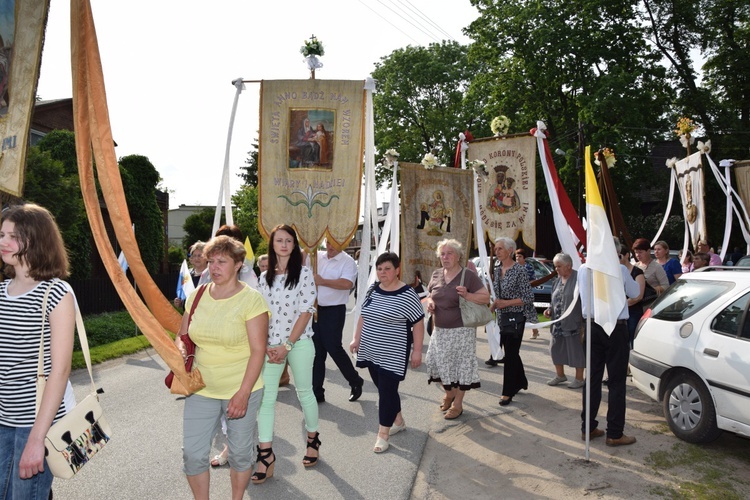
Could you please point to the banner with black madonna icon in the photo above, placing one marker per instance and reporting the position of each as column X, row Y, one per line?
column 436, row 204
column 22, row 25
column 507, row 188
column 310, row 158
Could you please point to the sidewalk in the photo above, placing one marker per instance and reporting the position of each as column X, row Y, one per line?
column 532, row 448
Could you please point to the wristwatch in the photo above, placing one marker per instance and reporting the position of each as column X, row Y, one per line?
column 288, row 345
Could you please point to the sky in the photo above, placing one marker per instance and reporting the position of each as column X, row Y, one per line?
column 168, row 67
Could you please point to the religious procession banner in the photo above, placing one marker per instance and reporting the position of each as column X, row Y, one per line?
column 690, row 182
column 21, row 31
column 436, row 204
column 742, row 175
column 507, row 192
column 310, row 158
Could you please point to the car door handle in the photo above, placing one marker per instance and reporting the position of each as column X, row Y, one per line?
column 711, row 352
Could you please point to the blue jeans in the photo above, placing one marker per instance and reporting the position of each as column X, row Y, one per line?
column 12, row 487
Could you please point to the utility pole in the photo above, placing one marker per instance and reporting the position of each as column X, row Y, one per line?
column 579, row 166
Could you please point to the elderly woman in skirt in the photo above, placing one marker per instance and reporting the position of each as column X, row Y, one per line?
column 452, row 355
column 566, row 347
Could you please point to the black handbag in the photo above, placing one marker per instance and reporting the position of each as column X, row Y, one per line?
column 512, row 323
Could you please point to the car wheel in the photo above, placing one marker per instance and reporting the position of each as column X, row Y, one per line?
column 689, row 409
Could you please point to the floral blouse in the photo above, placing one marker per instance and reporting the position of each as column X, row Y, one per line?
column 287, row 305
column 515, row 285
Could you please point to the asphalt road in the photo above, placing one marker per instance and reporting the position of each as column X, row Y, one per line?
column 144, row 459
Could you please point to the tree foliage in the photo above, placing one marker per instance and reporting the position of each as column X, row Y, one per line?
column 52, row 181
column 582, row 67
column 249, row 174
column 139, row 179
column 246, row 217
column 198, row 227
column 421, row 103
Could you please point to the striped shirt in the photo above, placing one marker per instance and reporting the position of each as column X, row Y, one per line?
column 386, row 336
column 20, row 326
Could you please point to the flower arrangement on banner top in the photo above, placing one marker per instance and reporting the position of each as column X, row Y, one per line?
column 480, row 167
column 609, row 157
column 429, row 161
column 312, row 47
column 500, row 125
column 391, row 155
column 684, row 130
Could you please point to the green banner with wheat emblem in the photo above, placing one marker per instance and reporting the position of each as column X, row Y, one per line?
column 310, row 158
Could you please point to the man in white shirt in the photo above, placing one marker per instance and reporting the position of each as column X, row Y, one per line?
column 612, row 351
column 337, row 273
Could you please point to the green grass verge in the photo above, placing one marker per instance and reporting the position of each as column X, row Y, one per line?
column 110, row 336
column 116, row 349
column 710, row 467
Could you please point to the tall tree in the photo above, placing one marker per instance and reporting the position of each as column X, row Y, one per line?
column 249, row 174
column 198, row 226
column 246, row 216
column 139, row 179
column 420, row 103
column 726, row 39
column 674, row 29
column 52, row 181
column 572, row 63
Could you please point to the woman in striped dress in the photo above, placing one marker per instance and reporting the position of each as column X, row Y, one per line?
column 392, row 320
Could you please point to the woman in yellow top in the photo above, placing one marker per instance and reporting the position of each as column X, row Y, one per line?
column 230, row 330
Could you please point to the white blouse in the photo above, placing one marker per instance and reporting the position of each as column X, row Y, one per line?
column 287, row 305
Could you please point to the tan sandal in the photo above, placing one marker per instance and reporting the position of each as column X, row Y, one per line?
column 453, row 413
column 447, row 403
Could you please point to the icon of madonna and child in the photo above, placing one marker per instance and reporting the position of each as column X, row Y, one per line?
column 311, row 138
column 504, row 198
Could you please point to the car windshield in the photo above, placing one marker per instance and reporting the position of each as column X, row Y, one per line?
column 540, row 270
column 686, row 297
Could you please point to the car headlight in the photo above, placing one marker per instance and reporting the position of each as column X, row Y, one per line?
column 686, row 329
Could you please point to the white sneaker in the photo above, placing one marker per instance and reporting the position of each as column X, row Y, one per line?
column 576, row 384
column 557, row 380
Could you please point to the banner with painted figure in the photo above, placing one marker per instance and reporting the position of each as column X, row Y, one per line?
column 690, row 182
column 22, row 25
column 436, row 204
column 310, row 158
column 508, row 192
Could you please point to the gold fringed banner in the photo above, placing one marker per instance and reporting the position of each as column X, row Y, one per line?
column 20, row 53
column 508, row 194
column 310, row 158
column 436, row 204
column 690, row 181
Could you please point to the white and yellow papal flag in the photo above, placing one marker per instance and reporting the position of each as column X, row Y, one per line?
column 608, row 297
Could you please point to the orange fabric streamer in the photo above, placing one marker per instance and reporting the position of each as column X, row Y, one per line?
column 92, row 130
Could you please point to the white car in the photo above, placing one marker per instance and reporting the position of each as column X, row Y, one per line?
column 692, row 353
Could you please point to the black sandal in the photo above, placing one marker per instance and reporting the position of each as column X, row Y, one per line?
column 308, row 461
column 263, row 455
